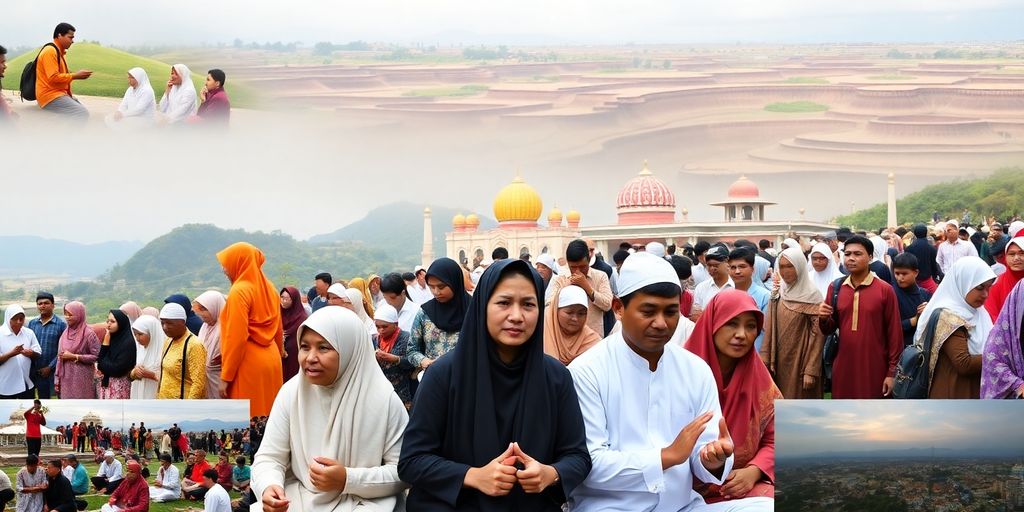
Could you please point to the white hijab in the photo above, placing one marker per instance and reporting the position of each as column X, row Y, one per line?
column 148, row 357
column 824, row 278
column 9, row 315
column 138, row 101
column 804, row 289
column 789, row 242
column 966, row 274
column 342, row 421
column 181, row 101
column 880, row 247
column 356, row 298
column 214, row 302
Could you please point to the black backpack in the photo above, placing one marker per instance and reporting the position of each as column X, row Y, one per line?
column 28, row 75
column 912, row 376
column 831, row 348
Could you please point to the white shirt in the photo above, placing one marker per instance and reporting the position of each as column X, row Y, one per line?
column 68, row 472
column 699, row 273
column 112, row 471
column 407, row 315
column 169, row 479
column 707, row 290
column 217, row 500
column 630, row 413
column 15, row 373
column 948, row 253
column 419, row 295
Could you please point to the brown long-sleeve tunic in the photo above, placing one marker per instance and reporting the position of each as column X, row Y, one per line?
column 792, row 347
column 956, row 374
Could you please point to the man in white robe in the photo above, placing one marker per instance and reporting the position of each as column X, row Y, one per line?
column 650, row 408
column 167, row 486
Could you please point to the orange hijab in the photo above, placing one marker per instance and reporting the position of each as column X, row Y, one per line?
column 748, row 400
column 557, row 344
column 360, row 284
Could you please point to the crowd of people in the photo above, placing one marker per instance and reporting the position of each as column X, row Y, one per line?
column 179, row 103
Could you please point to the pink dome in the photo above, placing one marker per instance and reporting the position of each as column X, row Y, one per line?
column 646, row 191
column 744, row 189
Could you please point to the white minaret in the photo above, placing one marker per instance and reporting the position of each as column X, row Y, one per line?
column 891, row 217
column 427, row 257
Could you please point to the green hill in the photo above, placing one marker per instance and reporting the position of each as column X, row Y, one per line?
column 110, row 72
column 394, row 224
column 184, row 261
column 999, row 195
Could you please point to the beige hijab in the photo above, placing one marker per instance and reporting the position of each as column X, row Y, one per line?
column 804, row 290
column 214, row 302
column 558, row 345
column 342, row 421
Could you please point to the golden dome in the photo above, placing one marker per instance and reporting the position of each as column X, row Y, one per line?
column 458, row 221
column 518, row 202
column 555, row 217
column 472, row 220
column 572, row 216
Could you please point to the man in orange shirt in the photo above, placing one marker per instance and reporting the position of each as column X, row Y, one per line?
column 53, row 79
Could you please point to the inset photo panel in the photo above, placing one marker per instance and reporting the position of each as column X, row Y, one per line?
column 899, row 455
column 114, row 455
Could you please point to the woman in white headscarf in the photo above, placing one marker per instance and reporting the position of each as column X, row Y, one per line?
column 335, row 431
column 961, row 329
column 823, row 268
column 149, row 340
column 180, row 99
column 880, row 262
column 356, row 298
column 17, row 342
column 138, row 107
column 792, row 340
column 208, row 306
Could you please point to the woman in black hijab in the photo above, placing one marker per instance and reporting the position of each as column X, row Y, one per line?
column 496, row 425
column 117, row 357
column 435, row 330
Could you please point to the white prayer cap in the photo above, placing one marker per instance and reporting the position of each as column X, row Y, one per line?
column 417, row 269
column 642, row 269
column 386, row 313
column 548, row 261
column 971, row 231
column 172, row 311
column 1015, row 226
column 656, row 248
column 337, row 289
column 109, row 453
column 571, row 295
column 954, row 222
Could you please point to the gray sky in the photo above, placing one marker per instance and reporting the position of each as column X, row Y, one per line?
column 818, row 426
column 27, row 22
column 153, row 412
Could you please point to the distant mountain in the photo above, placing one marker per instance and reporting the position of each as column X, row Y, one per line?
column 398, row 227
column 21, row 255
column 184, row 261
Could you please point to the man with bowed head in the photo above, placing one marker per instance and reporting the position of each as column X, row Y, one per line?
column 651, row 410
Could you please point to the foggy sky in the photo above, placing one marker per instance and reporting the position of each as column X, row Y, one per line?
column 152, row 412
column 811, row 427
column 28, row 22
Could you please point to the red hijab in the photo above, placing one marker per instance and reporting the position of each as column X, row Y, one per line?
column 1007, row 280
column 748, row 400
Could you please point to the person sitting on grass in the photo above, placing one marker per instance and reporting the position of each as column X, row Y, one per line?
column 167, row 486
column 79, row 476
column 132, row 495
column 109, row 476
column 216, row 499
column 215, row 108
column 58, row 496
column 224, row 468
column 240, row 475
column 193, row 483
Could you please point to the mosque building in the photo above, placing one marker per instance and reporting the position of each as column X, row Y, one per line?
column 646, row 211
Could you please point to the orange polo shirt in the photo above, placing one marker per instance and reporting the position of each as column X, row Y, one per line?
column 53, row 79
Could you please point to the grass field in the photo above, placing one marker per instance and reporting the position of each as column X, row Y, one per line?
column 437, row 92
column 796, row 107
column 110, row 73
column 96, row 501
